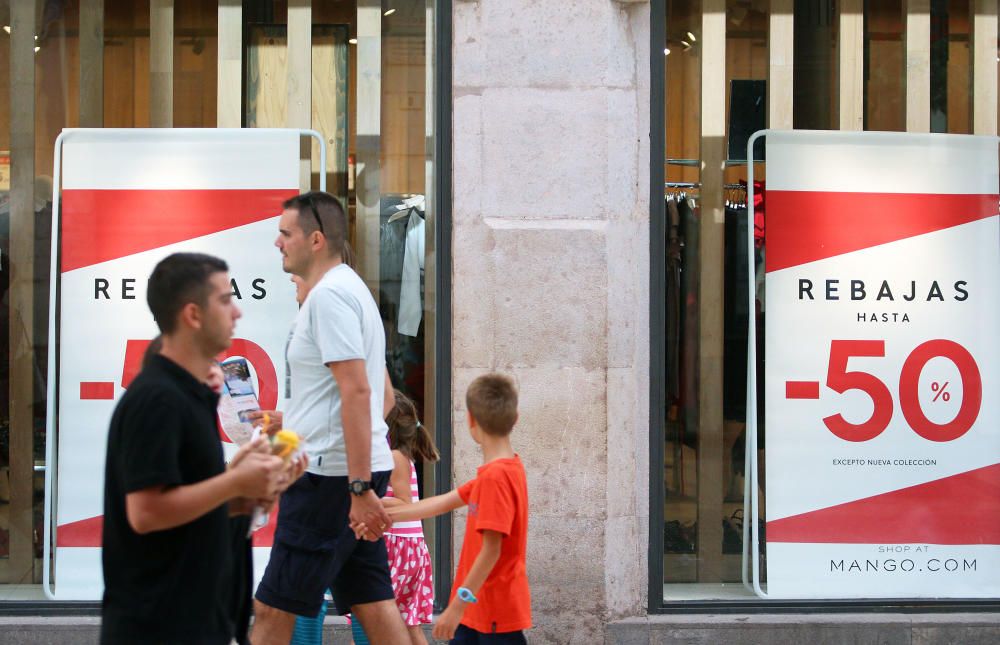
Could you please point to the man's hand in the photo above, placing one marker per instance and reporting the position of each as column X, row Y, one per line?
column 257, row 475
column 447, row 622
column 367, row 510
column 273, row 418
column 293, row 471
column 258, row 445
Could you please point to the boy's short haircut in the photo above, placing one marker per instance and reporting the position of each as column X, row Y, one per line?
column 492, row 401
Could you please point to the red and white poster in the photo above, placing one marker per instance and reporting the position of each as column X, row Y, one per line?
column 128, row 199
column 882, row 366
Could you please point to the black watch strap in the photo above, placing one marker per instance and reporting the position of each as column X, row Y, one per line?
column 359, row 486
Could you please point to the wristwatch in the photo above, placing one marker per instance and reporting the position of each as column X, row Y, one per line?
column 466, row 595
column 359, row 487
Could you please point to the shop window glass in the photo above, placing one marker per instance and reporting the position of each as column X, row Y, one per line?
column 25, row 239
column 704, row 516
column 382, row 169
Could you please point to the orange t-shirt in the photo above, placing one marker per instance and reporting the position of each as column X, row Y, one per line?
column 498, row 501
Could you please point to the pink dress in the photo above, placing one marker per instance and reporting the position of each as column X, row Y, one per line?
column 410, row 565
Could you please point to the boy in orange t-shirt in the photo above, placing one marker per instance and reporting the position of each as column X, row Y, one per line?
column 490, row 598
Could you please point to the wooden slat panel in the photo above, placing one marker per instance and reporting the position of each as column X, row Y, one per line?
column 984, row 66
column 368, row 124
column 852, row 64
column 161, row 63
column 21, row 294
column 298, row 80
column 229, row 102
column 780, row 70
column 91, row 63
column 712, row 247
column 918, row 65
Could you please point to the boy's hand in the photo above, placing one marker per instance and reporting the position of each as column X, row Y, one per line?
column 447, row 622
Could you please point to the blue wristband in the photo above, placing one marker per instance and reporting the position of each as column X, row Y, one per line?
column 466, row 596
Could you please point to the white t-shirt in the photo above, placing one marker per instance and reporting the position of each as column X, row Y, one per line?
column 338, row 321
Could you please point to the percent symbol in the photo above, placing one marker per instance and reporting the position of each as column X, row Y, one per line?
column 942, row 391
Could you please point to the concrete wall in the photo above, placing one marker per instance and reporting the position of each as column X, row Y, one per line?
column 551, row 150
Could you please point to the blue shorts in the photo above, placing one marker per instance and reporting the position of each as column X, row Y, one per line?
column 468, row 636
column 315, row 550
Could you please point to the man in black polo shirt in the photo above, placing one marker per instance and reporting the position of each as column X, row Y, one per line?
column 168, row 555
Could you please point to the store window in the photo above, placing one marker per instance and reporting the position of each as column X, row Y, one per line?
column 721, row 61
column 372, row 96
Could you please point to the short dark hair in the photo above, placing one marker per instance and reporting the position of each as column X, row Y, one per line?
column 321, row 211
column 177, row 280
column 492, row 401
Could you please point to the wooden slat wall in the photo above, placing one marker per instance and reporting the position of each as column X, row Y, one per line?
column 161, row 63
column 298, row 79
column 780, row 70
column 710, row 292
column 368, row 58
column 917, row 14
column 983, row 47
column 19, row 564
column 229, row 99
column 91, row 63
column 851, row 45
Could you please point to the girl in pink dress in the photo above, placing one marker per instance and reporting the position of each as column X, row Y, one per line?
column 409, row 559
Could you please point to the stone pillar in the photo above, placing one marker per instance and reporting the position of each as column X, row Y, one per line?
column 551, row 268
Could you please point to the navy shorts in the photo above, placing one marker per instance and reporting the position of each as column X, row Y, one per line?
column 315, row 550
column 468, row 636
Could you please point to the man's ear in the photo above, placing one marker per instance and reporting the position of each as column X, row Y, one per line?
column 190, row 316
column 471, row 420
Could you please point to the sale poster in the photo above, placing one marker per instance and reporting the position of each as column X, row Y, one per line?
column 128, row 200
column 882, row 366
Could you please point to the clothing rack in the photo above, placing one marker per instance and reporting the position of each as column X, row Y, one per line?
column 690, row 184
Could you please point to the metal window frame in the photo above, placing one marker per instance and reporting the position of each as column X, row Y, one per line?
column 442, row 245
column 656, row 603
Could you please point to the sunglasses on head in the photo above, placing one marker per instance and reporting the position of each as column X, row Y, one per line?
column 315, row 212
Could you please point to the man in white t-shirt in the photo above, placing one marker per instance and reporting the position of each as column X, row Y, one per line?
column 336, row 357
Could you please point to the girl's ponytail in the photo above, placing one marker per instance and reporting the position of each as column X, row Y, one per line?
column 423, row 445
column 407, row 434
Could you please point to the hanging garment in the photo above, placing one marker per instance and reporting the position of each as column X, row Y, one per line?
column 736, row 312
column 411, row 301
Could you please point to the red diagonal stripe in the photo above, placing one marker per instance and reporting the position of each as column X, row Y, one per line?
column 805, row 226
column 961, row 509
column 102, row 225
column 86, row 532
column 97, row 391
column 90, row 532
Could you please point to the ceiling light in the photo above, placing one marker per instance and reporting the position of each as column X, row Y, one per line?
column 389, row 12
column 6, row 28
column 37, row 48
column 691, row 37
column 666, row 51
column 353, row 41
column 686, row 44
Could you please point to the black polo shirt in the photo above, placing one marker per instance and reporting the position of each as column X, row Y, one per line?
column 176, row 585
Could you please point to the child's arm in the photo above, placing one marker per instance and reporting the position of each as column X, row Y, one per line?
column 400, row 481
column 400, row 512
column 448, row 622
column 430, row 507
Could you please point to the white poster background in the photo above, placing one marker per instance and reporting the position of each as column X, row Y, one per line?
column 802, row 474
column 93, row 331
